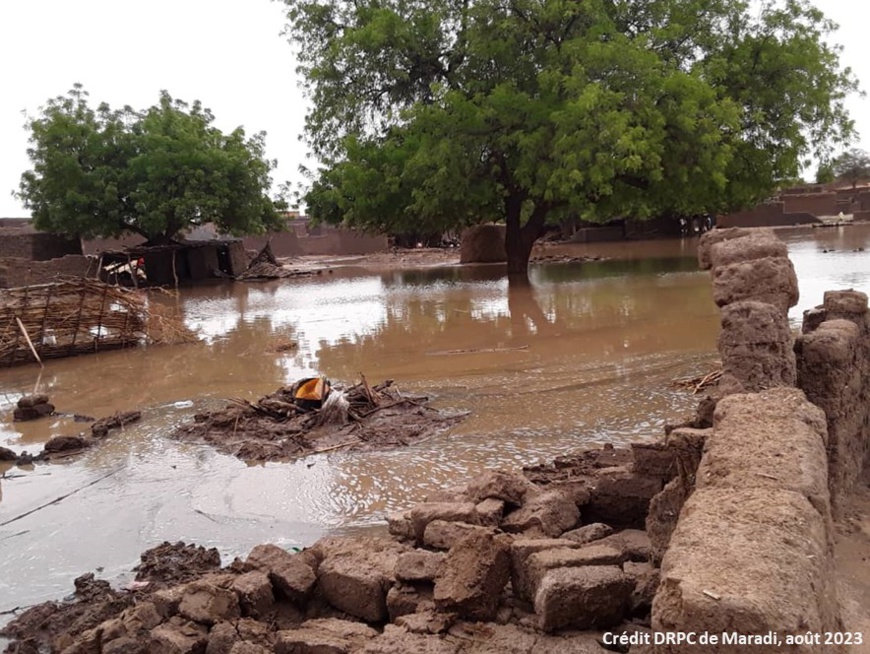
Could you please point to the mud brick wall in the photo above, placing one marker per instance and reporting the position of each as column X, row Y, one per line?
column 283, row 244
column 342, row 241
column 353, row 242
column 202, row 261
column 238, row 258
column 327, row 241
column 833, row 363
column 16, row 271
column 818, row 204
column 755, row 284
column 763, row 215
column 26, row 244
column 751, row 550
column 757, row 526
column 483, row 244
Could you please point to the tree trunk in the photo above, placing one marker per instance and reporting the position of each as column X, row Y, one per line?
column 519, row 239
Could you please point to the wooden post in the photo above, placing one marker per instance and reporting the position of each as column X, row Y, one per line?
column 78, row 322
column 100, row 319
column 29, row 342
column 45, row 315
column 133, row 274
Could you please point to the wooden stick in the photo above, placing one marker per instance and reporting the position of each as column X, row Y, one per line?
column 707, row 380
column 38, row 379
column 372, row 398
column 29, row 342
column 330, row 449
column 45, row 314
column 100, row 319
column 61, row 498
column 386, row 406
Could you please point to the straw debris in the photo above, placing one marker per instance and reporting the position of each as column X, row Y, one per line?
column 699, row 383
column 80, row 316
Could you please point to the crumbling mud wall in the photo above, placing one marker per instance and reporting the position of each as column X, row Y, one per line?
column 483, row 244
column 833, row 357
column 15, row 271
column 749, row 550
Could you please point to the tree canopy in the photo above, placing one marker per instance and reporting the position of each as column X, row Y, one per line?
column 103, row 172
column 852, row 165
column 442, row 113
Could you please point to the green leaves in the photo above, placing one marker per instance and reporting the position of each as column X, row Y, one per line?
column 449, row 112
column 154, row 172
column 852, row 165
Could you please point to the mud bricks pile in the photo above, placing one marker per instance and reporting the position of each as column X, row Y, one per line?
column 32, row 407
column 503, row 564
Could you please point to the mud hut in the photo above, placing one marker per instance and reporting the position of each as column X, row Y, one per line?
column 178, row 262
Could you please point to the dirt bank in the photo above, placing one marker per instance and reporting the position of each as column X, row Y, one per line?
column 402, row 259
column 275, row 427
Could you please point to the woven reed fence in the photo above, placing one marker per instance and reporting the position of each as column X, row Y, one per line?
column 67, row 318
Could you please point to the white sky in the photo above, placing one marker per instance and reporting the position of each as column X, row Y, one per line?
column 227, row 53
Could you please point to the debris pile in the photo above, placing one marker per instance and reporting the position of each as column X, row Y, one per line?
column 700, row 383
column 118, row 420
column 67, row 318
column 280, row 425
column 508, row 562
column 266, row 266
column 79, row 316
column 32, row 407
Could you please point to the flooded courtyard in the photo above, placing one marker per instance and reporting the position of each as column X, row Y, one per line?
column 585, row 354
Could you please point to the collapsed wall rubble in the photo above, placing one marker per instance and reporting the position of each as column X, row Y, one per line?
column 518, row 560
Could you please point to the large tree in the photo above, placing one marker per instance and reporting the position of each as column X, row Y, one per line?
column 431, row 114
column 103, row 172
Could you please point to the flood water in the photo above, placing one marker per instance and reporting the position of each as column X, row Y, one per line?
column 585, row 354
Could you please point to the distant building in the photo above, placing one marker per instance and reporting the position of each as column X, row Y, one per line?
column 807, row 204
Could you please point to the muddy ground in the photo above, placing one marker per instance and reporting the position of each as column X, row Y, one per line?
column 404, row 258
column 275, row 428
column 852, row 561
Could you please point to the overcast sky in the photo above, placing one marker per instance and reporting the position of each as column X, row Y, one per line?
column 227, row 53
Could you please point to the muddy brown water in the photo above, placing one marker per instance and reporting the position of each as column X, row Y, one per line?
column 585, row 354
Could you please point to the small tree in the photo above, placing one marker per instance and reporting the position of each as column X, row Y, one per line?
column 104, row 172
column 853, row 166
column 825, row 174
